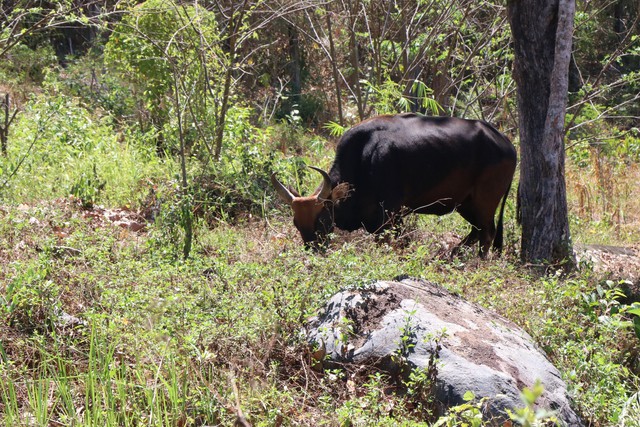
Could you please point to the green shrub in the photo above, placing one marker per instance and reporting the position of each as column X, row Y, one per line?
column 30, row 300
column 58, row 148
column 100, row 88
column 87, row 188
column 25, row 65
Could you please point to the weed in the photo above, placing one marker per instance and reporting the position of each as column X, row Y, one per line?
column 31, row 300
column 528, row 416
column 467, row 414
column 87, row 188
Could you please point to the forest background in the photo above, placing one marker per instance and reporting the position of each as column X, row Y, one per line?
column 137, row 141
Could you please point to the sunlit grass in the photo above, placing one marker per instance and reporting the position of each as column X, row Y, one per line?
column 162, row 342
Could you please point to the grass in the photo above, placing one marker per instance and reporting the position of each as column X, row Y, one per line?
column 156, row 341
column 604, row 201
column 58, row 148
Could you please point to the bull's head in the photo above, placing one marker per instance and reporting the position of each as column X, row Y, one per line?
column 312, row 215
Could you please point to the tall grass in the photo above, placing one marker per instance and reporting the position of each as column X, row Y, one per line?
column 164, row 342
column 100, row 388
column 604, row 200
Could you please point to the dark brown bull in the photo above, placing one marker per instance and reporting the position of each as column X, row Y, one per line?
column 431, row 165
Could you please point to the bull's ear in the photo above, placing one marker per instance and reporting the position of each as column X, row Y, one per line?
column 340, row 192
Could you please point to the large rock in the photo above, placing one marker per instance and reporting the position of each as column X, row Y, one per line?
column 479, row 352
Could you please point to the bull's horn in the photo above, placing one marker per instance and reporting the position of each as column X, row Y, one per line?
column 282, row 191
column 324, row 191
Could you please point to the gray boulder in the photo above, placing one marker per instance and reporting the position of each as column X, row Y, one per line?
column 393, row 323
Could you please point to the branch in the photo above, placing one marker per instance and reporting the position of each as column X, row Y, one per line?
column 52, row 19
column 626, row 42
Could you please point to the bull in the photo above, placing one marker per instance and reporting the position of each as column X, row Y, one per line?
column 430, row 165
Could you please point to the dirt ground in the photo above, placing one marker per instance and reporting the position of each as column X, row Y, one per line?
column 617, row 262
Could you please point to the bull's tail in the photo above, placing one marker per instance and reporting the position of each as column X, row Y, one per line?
column 497, row 241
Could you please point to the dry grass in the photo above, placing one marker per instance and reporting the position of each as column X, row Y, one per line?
column 604, row 199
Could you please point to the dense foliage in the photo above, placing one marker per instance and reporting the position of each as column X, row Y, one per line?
column 127, row 126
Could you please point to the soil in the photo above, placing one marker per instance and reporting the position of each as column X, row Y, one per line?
column 616, row 263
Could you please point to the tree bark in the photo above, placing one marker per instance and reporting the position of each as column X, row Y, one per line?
column 355, row 55
column 542, row 34
column 334, row 65
column 185, row 203
column 4, row 128
column 295, row 64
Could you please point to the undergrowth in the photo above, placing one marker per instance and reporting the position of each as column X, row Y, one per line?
column 101, row 325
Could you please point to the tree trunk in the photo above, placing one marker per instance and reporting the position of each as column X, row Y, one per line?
column 235, row 23
column 542, row 32
column 4, row 128
column 295, row 64
column 334, row 65
column 185, row 202
column 355, row 55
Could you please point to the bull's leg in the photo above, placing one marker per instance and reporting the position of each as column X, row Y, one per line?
column 484, row 200
column 386, row 225
column 383, row 227
column 483, row 228
column 397, row 229
column 378, row 218
column 375, row 221
column 487, row 234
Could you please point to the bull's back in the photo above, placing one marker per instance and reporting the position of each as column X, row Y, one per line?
column 429, row 164
column 418, row 150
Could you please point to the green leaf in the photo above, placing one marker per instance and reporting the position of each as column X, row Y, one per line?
column 636, row 326
column 335, row 129
column 469, row 396
column 635, row 311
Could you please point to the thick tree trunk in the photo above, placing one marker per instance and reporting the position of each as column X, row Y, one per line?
column 542, row 32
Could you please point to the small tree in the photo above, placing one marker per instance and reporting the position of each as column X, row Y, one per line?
column 21, row 21
column 183, row 60
column 170, row 51
column 8, row 118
